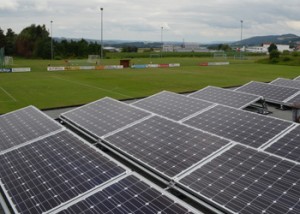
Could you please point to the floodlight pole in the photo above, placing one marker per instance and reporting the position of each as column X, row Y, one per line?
column 161, row 39
column 101, row 9
column 51, row 41
column 241, row 32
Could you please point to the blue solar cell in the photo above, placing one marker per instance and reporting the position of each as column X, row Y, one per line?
column 244, row 180
column 165, row 146
column 24, row 125
column 172, row 105
column 225, row 97
column 241, row 126
column 103, row 116
column 288, row 145
column 129, row 195
column 46, row 173
column 271, row 93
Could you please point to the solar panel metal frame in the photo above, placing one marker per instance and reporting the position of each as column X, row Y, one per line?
column 126, row 171
column 276, row 141
column 148, row 168
column 157, row 94
column 257, row 115
column 290, row 100
column 89, row 133
column 190, row 192
column 257, row 97
column 42, row 136
column 297, row 78
column 151, row 184
column 286, row 83
column 281, row 102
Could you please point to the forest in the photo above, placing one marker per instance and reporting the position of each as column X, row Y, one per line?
column 35, row 42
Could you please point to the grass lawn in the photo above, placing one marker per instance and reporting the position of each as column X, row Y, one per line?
column 45, row 89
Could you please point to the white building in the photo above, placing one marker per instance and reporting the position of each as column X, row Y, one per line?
column 280, row 47
column 264, row 48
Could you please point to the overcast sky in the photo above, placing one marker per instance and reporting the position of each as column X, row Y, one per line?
column 190, row 20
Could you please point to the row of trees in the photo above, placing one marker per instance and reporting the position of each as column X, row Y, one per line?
column 35, row 42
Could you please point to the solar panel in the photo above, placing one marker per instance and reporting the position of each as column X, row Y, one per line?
column 131, row 194
column 225, row 97
column 286, row 83
column 243, row 180
column 172, row 105
column 167, row 147
column 24, row 125
column 293, row 100
column 103, row 116
column 271, row 93
column 48, row 172
column 288, row 145
column 241, row 126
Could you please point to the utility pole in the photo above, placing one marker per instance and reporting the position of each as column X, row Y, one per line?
column 161, row 39
column 101, row 9
column 51, row 40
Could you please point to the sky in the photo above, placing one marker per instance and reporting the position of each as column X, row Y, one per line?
column 143, row 20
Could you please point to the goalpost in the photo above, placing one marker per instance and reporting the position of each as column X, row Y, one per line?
column 1, row 57
column 95, row 59
column 8, row 60
column 220, row 55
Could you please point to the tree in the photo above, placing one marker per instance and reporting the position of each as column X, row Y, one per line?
column 2, row 39
column 10, row 39
column 129, row 49
column 32, row 41
column 274, row 55
column 272, row 47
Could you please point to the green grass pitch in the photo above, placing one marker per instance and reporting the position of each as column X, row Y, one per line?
column 45, row 89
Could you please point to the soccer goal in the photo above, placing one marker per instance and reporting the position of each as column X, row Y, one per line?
column 8, row 60
column 219, row 55
column 2, row 57
column 94, row 59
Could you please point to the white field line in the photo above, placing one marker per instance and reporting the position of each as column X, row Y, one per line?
column 8, row 94
column 90, row 86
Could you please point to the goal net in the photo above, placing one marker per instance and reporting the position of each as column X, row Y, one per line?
column 220, row 55
column 95, row 59
column 8, row 60
column 1, row 57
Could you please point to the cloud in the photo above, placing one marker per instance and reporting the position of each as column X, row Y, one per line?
column 192, row 20
column 8, row 5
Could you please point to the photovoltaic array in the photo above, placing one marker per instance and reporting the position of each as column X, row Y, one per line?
column 103, row 116
column 165, row 146
column 271, row 93
column 236, row 161
column 172, row 105
column 57, row 171
column 288, row 146
column 24, row 125
column 226, row 97
column 240, row 126
column 286, row 83
column 243, row 180
column 129, row 195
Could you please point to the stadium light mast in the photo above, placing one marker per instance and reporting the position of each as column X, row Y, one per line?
column 241, row 32
column 161, row 39
column 101, row 9
column 51, row 39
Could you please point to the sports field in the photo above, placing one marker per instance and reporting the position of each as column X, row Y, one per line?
column 46, row 89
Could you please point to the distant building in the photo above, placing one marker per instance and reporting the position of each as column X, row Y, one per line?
column 112, row 49
column 186, row 47
column 265, row 46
